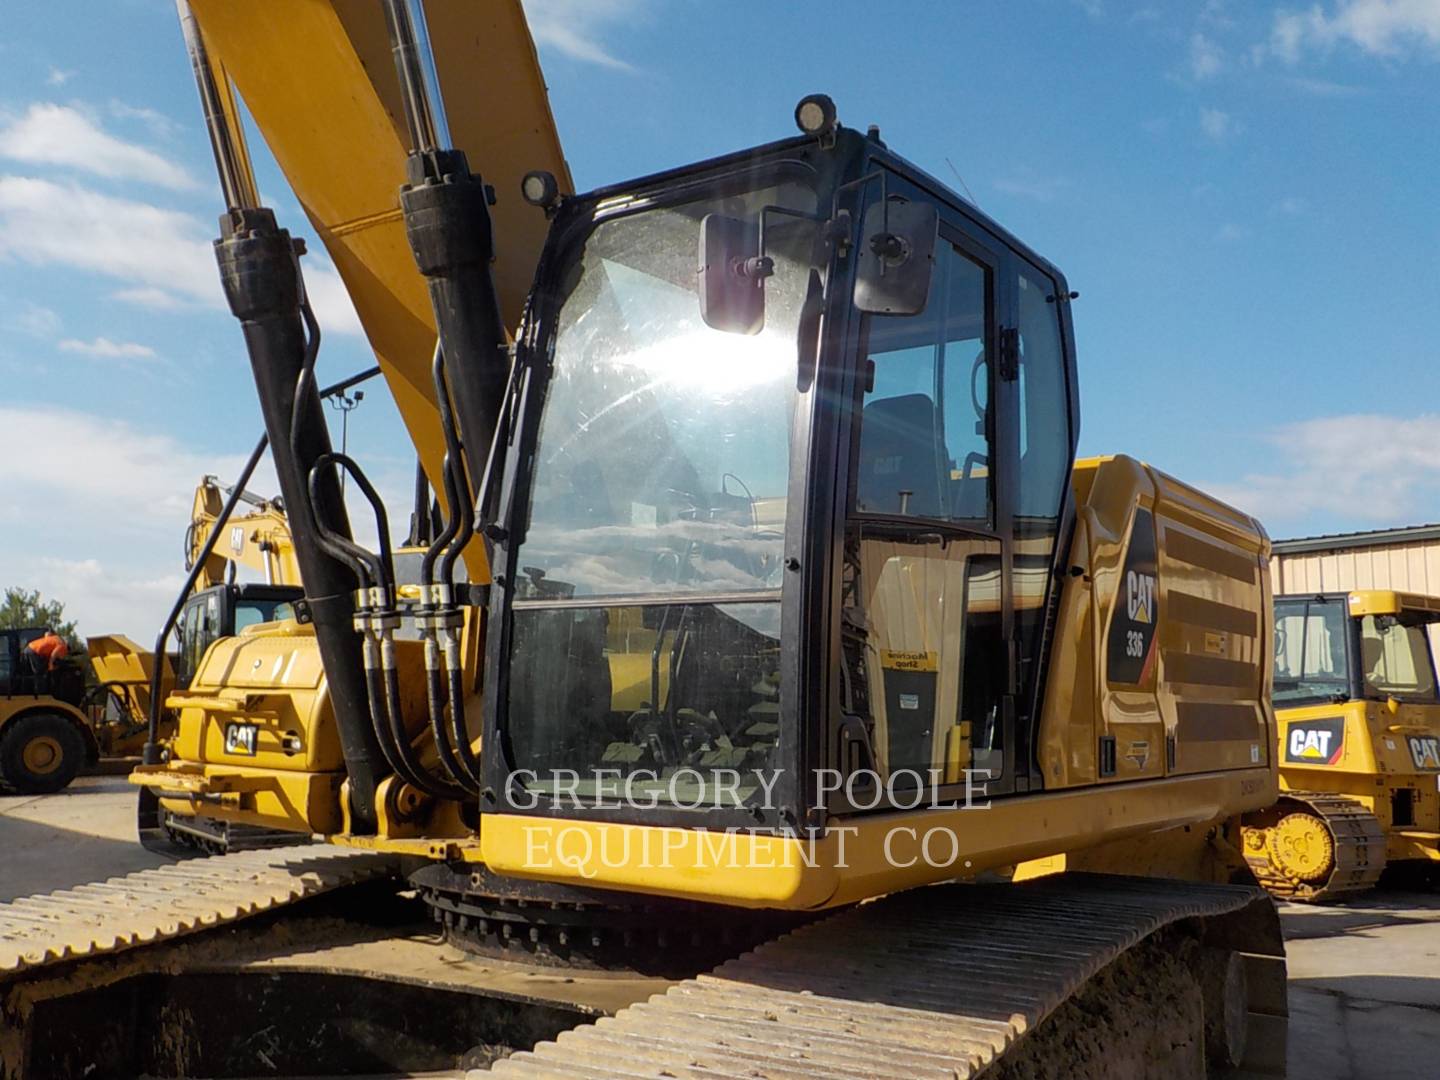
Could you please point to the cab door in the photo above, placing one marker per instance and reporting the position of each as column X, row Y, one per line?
column 927, row 582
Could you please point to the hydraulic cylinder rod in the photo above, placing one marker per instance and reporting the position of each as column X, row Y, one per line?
column 447, row 220
column 260, row 272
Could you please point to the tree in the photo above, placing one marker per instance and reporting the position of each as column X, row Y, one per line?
column 22, row 608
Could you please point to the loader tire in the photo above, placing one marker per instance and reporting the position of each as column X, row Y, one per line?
column 40, row 754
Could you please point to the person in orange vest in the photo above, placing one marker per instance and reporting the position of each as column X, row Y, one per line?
column 49, row 649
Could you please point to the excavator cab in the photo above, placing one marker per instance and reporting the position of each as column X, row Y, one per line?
column 224, row 611
column 794, row 538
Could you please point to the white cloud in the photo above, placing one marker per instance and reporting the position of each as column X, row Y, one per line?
column 149, row 297
column 60, row 135
column 37, row 321
column 1215, row 124
column 577, row 28
column 1377, row 27
column 104, row 600
column 158, row 123
column 1229, row 233
column 1292, row 206
column 330, row 299
column 1027, row 183
column 133, row 488
column 154, row 251
column 1206, row 59
column 57, row 77
column 1362, row 469
column 1324, row 87
column 47, row 223
column 105, row 349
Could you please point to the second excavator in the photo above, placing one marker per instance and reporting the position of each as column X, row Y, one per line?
column 768, row 584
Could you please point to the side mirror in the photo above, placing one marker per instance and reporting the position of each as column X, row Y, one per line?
column 732, row 275
column 896, row 258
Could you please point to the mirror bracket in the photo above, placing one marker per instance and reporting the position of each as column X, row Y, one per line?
column 897, row 260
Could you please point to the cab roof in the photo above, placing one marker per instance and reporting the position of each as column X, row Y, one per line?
column 1390, row 602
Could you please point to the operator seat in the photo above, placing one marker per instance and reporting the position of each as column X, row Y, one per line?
column 1372, row 656
column 900, row 451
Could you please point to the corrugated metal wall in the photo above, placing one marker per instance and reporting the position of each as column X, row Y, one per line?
column 1408, row 567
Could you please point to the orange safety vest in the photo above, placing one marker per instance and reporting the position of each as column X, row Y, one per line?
column 50, row 648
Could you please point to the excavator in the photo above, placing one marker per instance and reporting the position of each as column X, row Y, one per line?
column 1359, row 745
column 770, row 623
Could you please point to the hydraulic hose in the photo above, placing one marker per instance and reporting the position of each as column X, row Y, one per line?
column 379, row 567
column 382, row 674
column 437, row 608
column 455, row 669
column 428, row 783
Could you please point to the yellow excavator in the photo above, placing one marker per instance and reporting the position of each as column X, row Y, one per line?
column 1359, row 727
column 770, row 612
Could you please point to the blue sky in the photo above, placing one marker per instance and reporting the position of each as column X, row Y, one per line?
column 1243, row 193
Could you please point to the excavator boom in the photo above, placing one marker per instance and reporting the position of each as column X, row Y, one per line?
column 258, row 539
column 319, row 81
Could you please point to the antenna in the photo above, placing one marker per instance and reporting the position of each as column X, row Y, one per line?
column 968, row 193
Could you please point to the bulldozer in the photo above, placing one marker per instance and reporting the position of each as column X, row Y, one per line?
column 770, row 611
column 1358, row 715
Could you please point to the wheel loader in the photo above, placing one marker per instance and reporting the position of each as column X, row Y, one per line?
column 1358, row 715
column 46, row 726
column 769, row 612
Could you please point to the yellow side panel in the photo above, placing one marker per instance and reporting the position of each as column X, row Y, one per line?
column 867, row 856
column 1216, row 631
column 273, row 679
column 1203, row 689
column 295, row 802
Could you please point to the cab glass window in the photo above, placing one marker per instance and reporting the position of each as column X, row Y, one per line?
column 924, row 443
column 1395, row 659
column 1310, row 651
column 1044, row 455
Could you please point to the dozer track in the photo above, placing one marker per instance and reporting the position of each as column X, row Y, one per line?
column 948, row 982
column 1356, row 847
column 942, row 982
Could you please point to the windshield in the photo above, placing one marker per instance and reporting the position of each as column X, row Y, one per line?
column 663, row 457
column 1310, row 651
column 646, row 619
column 250, row 611
column 1396, row 659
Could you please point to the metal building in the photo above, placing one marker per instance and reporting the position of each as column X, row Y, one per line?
column 1407, row 559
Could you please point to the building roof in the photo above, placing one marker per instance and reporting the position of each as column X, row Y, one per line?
column 1406, row 534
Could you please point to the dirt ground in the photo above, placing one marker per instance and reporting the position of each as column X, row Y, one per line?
column 1364, row 975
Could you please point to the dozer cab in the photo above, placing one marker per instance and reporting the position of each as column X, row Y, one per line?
column 1358, row 713
column 45, row 722
column 767, row 584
